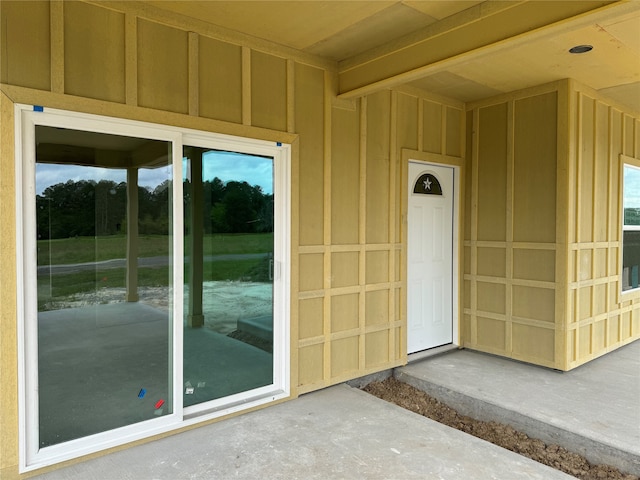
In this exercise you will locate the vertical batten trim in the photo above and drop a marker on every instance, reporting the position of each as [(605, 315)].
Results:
[(194, 74), (327, 258), (623, 141), (594, 185), (565, 149), (443, 129), (610, 178), (131, 59), (473, 294), (56, 12), (393, 162), (509, 226), (420, 124), (291, 96), (594, 199), (607, 303), (246, 86), (326, 102), (577, 239), (362, 231)]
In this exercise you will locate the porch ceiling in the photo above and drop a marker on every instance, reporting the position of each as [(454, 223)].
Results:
[(465, 50)]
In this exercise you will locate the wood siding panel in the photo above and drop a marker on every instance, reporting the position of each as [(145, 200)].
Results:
[(220, 80), (26, 44), (345, 176), (377, 170), (310, 314), (269, 91), (309, 124), (492, 173), (535, 145), (94, 52), (512, 225), (163, 80), (600, 319), (453, 132), (432, 127)]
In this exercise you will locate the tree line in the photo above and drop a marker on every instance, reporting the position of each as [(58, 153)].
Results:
[(632, 216), (90, 208)]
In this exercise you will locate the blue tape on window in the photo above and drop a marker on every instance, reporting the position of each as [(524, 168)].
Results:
[(279, 144), (38, 108)]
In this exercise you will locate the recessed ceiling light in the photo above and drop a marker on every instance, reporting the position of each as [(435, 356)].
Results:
[(581, 49)]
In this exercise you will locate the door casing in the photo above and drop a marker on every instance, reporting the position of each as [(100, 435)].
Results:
[(458, 165)]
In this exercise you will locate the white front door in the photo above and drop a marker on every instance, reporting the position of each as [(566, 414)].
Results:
[(430, 256)]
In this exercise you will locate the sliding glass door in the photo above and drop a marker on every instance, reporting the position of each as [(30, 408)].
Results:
[(146, 304), (228, 327)]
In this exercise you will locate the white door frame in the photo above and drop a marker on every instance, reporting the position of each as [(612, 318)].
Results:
[(457, 164)]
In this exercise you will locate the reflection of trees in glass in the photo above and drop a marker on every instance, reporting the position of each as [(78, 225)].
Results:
[(632, 216), (234, 207), (88, 208), (244, 208)]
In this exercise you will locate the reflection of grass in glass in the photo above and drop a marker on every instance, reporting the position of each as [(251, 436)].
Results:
[(91, 249), (239, 243), (67, 285)]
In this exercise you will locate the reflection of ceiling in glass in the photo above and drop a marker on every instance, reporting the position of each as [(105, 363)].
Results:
[(631, 186), (76, 147)]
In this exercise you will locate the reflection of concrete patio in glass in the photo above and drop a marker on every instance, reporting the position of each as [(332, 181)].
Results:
[(95, 361), (224, 303)]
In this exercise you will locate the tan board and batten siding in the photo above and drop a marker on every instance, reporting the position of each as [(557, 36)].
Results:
[(542, 248), (541, 200), (127, 61)]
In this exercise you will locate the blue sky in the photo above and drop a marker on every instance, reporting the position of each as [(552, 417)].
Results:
[(224, 165), (631, 187)]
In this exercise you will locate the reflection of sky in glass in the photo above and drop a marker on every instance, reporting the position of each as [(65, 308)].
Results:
[(48, 174), (231, 166), (631, 187), (226, 166)]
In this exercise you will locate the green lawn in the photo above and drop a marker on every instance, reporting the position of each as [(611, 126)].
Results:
[(59, 287), (91, 249)]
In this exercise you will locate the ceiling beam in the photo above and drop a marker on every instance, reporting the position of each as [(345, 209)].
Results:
[(481, 30)]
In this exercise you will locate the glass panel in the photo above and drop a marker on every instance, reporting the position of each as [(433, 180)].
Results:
[(427, 184), (631, 236), (630, 259), (631, 195), (103, 210), (228, 324)]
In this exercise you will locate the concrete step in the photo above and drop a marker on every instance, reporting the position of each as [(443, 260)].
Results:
[(261, 327), (591, 411)]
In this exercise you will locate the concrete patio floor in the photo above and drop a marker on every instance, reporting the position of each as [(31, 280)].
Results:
[(344, 433), (336, 433)]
